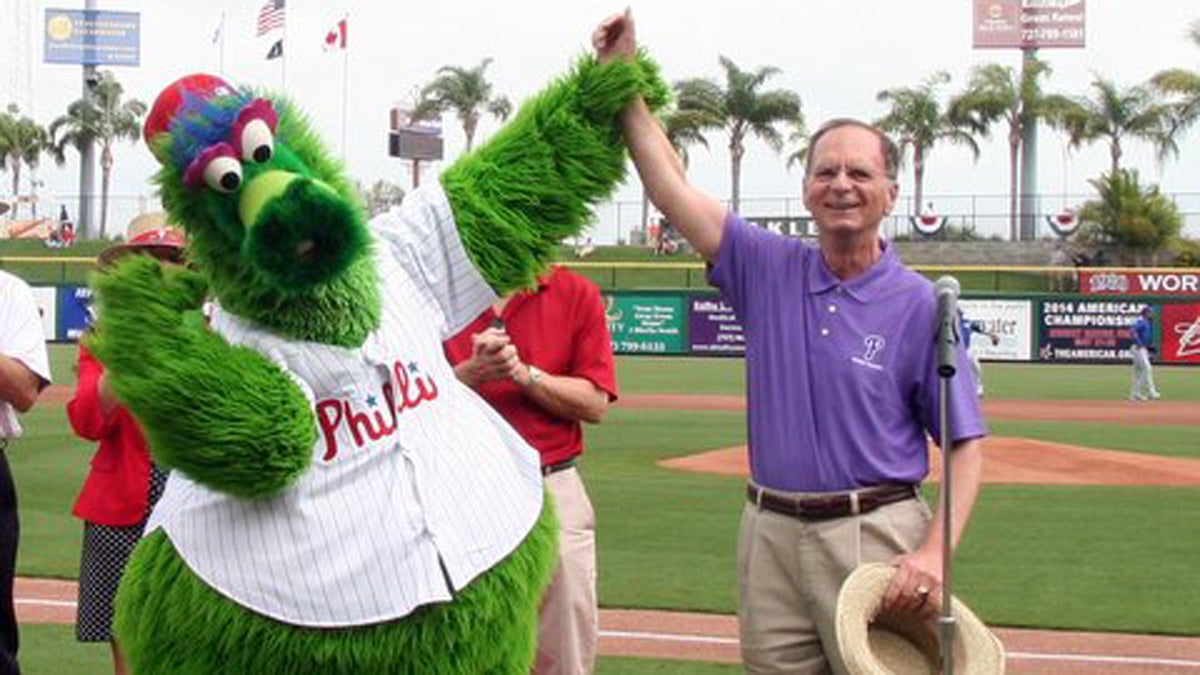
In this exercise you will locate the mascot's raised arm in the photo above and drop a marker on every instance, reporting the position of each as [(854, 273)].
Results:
[(340, 503)]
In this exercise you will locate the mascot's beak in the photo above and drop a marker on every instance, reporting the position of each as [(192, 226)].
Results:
[(300, 231)]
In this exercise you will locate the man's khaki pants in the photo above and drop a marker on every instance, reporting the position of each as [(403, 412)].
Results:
[(569, 621), (790, 571)]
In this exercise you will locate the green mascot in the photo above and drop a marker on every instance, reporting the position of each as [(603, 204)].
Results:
[(339, 503)]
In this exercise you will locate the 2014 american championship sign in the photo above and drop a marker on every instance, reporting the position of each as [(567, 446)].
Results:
[(1139, 283)]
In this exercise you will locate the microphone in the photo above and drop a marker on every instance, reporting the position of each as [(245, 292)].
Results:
[(946, 289)]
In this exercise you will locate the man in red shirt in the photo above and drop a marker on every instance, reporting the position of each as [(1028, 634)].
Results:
[(544, 360)]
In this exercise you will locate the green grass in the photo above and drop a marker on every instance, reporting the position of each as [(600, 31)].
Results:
[(626, 666), (1166, 440), (53, 649), (651, 522), (1093, 558), (1036, 381)]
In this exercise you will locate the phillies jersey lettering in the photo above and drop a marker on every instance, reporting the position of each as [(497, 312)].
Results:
[(376, 424)]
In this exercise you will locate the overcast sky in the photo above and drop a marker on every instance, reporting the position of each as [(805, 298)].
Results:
[(836, 54)]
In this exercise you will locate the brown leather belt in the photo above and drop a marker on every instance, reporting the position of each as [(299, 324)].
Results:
[(561, 466), (833, 506)]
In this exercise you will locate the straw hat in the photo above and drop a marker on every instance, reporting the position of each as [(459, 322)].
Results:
[(148, 233), (904, 645)]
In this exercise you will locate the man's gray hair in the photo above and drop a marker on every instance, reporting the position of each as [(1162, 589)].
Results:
[(887, 147)]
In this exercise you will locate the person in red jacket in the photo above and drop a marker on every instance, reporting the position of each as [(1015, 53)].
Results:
[(123, 483)]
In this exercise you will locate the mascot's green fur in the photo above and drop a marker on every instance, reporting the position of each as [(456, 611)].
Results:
[(283, 246)]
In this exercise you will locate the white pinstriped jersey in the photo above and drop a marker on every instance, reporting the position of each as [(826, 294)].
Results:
[(22, 339), (410, 467)]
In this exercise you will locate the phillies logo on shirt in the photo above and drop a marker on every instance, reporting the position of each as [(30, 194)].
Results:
[(412, 388), (872, 346)]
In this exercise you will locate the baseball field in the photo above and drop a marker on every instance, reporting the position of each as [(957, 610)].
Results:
[(1087, 521)]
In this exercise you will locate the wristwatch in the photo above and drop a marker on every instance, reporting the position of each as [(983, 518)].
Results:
[(535, 376)]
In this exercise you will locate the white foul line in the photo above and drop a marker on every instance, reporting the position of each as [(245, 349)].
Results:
[(1039, 656), (47, 603), (713, 640)]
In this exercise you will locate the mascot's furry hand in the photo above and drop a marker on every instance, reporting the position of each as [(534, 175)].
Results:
[(340, 502), (150, 330)]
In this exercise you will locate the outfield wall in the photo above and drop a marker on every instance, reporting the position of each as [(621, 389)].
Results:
[(1064, 328), (1045, 328)]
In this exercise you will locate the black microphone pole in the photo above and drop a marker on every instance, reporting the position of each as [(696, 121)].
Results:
[(947, 290)]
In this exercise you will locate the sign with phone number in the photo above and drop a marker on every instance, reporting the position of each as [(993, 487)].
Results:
[(646, 324)]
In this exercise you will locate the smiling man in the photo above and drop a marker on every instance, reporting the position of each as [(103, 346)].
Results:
[(842, 388)]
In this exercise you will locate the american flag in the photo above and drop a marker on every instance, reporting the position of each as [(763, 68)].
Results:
[(270, 16)]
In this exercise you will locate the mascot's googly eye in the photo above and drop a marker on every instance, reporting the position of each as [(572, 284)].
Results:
[(223, 174), (257, 142), (216, 166), (253, 132)]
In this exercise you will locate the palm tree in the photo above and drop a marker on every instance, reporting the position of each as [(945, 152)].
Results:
[(465, 91), (1184, 86), (997, 93), (742, 109), (918, 122), (683, 128), (1115, 114), (22, 142), (103, 118), (1141, 219)]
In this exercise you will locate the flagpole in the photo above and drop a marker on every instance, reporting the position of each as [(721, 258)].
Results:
[(345, 76), (284, 55), (221, 48)]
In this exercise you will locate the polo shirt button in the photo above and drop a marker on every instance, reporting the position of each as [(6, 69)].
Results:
[(824, 331), (832, 309)]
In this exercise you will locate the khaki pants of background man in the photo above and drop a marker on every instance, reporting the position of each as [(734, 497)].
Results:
[(790, 572), (569, 621)]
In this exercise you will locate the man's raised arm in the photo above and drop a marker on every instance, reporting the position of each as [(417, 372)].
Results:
[(699, 217)]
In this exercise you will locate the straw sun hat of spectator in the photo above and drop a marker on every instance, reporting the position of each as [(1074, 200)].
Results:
[(151, 234), (904, 645)]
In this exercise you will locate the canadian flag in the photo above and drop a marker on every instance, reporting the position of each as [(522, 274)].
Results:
[(335, 37)]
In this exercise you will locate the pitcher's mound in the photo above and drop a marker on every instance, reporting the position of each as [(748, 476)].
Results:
[(1011, 460)]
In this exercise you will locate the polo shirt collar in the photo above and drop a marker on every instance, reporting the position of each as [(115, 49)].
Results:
[(519, 298), (863, 287)]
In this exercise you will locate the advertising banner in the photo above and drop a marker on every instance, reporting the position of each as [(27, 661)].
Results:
[(1028, 24), (74, 316), (713, 328), (1091, 331), (1180, 333), (1140, 283), (92, 37), (44, 297), (1012, 320), (646, 324)]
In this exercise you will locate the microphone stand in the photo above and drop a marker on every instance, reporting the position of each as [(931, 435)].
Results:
[(948, 337)]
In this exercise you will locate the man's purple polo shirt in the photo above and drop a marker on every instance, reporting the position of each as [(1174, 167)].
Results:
[(841, 377)]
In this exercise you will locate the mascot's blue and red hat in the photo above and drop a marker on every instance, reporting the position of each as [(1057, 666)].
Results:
[(171, 99), (207, 118)]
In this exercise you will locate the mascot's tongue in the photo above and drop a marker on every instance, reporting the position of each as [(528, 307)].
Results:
[(306, 251), (299, 232)]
